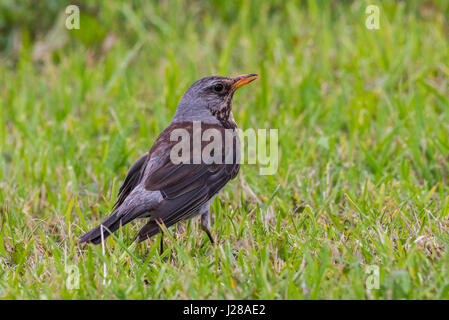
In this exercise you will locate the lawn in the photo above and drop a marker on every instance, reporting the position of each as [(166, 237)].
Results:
[(361, 189)]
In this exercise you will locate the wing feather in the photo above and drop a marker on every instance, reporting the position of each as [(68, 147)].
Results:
[(184, 187), (132, 179)]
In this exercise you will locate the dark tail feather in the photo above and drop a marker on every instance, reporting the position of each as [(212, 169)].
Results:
[(111, 224), (119, 217)]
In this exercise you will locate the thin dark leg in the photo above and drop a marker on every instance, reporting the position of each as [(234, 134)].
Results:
[(205, 225), (210, 236), (162, 243)]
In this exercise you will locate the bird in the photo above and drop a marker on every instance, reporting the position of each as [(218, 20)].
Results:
[(166, 192)]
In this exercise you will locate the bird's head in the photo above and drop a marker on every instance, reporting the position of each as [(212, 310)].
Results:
[(210, 99)]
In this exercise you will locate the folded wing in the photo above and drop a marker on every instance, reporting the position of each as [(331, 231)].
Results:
[(184, 187)]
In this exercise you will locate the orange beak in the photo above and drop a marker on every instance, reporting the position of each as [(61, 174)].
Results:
[(244, 79)]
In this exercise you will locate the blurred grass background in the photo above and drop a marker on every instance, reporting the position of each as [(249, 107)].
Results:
[(363, 119)]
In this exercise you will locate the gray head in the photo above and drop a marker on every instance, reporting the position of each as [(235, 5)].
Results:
[(210, 99)]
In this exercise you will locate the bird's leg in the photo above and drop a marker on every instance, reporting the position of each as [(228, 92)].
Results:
[(205, 225), (160, 223), (162, 243)]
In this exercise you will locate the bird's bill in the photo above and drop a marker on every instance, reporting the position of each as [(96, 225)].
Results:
[(244, 79)]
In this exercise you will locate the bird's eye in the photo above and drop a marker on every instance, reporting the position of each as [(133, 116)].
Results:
[(218, 87)]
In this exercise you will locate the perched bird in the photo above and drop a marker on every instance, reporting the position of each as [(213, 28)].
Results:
[(164, 192)]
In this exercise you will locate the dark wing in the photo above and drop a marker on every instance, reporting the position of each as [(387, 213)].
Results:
[(197, 184), (132, 179), (185, 188)]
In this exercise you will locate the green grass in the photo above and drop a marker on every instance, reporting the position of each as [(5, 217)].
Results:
[(363, 119)]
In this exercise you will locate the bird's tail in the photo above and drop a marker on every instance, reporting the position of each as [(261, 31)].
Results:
[(110, 224), (120, 217)]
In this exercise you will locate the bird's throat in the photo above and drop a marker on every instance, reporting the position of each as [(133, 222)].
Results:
[(224, 115)]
